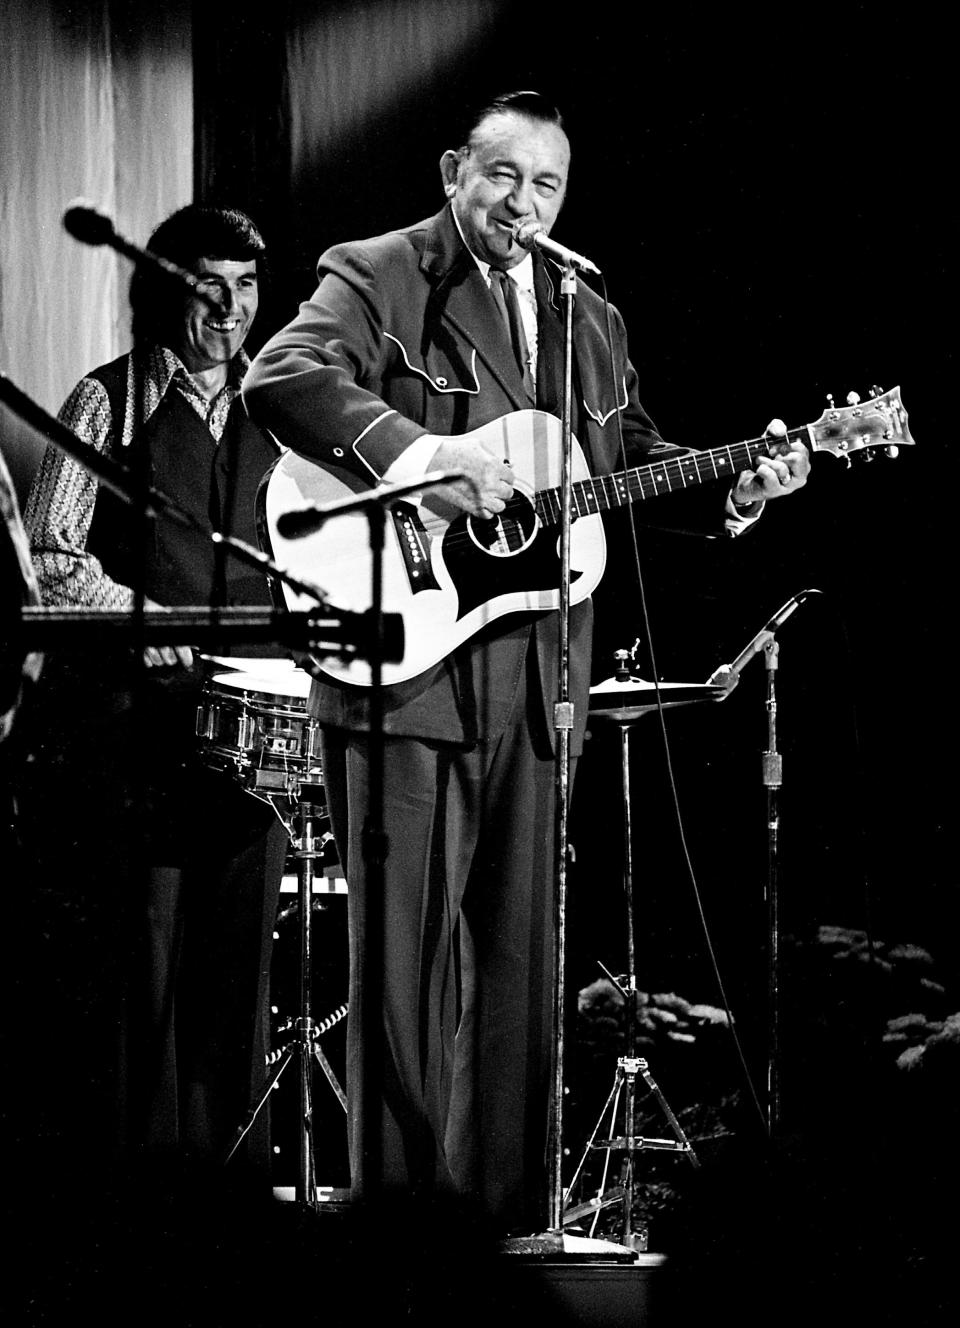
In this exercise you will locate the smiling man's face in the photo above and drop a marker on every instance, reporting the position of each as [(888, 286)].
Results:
[(211, 337), (514, 170)]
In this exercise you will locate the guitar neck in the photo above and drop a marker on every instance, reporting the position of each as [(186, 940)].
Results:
[(602, 493)]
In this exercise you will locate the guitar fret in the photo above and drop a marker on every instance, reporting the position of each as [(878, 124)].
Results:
[(657, 475), (601, 493)]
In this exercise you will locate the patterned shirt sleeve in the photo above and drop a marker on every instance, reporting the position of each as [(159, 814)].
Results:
[(60, 510)]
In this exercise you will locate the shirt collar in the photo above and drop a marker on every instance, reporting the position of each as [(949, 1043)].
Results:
[(522, 274), (164, 365)]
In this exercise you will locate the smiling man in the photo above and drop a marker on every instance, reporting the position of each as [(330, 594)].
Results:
[(171, 404), (411, 341), (177, 856)]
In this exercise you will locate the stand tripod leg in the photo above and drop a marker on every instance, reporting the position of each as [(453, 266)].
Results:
[(571, 1215), (674, 1124), (248, 1123), (332, 1080)]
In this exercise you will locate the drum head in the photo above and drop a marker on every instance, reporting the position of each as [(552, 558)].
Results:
[(293, 685)]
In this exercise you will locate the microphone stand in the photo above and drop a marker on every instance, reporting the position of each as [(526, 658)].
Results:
[(375, 848), (91, 226), (772, 782), (563, 726), (765, 642), (552, 1242)]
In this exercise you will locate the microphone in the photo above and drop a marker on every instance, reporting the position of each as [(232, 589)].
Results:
[(305, 520), (728, 675), (782, 614), (89, 225), (531, 235)]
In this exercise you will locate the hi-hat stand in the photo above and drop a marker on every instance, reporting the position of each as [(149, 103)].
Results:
[(623, 700), (628, 1143), (304, 1047)]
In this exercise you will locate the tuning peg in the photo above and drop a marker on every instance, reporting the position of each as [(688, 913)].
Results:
[(876, 391), (892, 450), (830, 400), (853, 398)]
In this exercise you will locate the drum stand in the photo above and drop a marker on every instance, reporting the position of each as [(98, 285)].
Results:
[(305, 1046), (623, 700)]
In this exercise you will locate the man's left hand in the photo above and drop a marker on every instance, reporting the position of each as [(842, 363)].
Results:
[(784, 471)]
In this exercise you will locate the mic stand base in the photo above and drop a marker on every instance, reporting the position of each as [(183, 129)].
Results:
[(562, 1247)]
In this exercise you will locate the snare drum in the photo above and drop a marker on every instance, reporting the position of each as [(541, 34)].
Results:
[(257, 728)]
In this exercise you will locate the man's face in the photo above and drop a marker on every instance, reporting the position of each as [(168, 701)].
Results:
[(209, 337), (515, 170)]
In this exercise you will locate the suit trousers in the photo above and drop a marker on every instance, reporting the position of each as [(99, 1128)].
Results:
[(462, 969)]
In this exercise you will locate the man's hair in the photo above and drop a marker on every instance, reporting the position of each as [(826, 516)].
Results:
[(189, 234), (524, 102)]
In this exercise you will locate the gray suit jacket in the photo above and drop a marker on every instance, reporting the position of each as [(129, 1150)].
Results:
[(402, 338)]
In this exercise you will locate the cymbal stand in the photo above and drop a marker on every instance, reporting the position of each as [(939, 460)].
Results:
[(305, 1045), (628, 1066), (765, 641), (772, 781)]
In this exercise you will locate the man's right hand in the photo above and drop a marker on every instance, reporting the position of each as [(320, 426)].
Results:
[(489, 479)]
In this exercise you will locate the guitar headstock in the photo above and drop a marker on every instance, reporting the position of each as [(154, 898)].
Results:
[(879, 422)]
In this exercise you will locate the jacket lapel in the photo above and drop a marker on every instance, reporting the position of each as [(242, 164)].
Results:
[(466, 304), (550, 342)]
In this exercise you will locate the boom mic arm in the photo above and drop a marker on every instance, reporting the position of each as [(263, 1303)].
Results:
[(89, 225)]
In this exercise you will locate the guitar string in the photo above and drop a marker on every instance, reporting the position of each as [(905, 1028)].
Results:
[(642, 483)]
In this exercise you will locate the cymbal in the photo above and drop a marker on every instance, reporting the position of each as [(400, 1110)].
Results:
[(266, 667), (628, 698)]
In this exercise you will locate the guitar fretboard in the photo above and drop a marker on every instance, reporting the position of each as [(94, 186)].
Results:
[(602, 493)]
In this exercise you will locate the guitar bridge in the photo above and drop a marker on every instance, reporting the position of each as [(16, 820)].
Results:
[(414, 544)]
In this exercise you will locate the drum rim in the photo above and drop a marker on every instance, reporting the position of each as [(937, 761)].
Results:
[(227, 682)]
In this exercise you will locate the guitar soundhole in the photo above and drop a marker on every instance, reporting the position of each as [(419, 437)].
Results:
[(508, 534)]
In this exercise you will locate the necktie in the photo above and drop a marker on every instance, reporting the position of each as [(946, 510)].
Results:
[(505, 292)]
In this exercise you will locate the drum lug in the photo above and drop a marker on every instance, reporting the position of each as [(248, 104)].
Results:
[(206, 723), (247, 732)]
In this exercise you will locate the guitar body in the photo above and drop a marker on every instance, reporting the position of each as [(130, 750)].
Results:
[(447, 574)]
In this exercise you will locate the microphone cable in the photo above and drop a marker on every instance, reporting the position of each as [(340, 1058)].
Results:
[(668, 757)]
